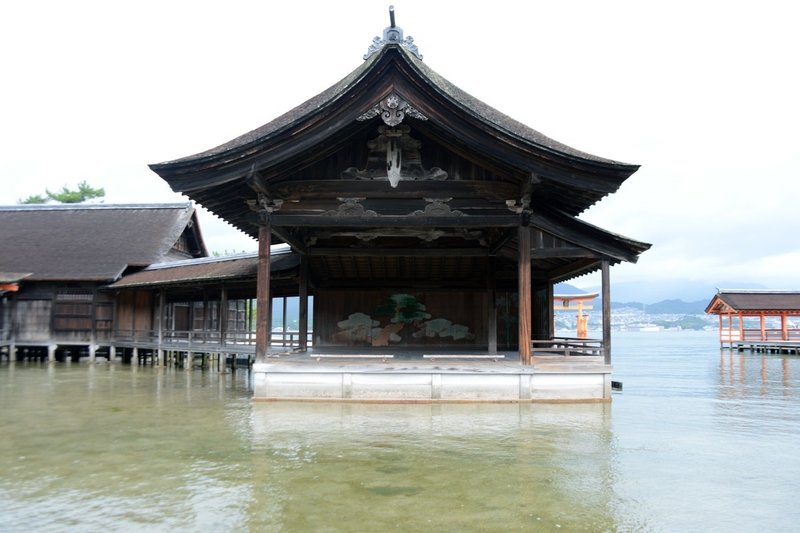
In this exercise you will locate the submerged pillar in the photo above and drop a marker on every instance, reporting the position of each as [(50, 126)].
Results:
[(525, 303), (606, 296)]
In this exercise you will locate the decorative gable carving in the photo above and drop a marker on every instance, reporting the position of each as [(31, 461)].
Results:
[(392, 111), (394, 155)]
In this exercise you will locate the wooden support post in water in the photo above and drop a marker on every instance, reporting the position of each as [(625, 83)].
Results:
[(606, 296), (525, 302), (262, 291)]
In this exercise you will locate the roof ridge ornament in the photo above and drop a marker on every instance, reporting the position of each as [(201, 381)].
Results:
[(392, 35), (392, 109)]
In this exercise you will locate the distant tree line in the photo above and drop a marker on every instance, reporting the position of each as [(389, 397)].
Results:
[(66, 195)]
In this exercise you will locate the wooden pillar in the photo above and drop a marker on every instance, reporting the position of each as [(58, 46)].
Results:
[(763, 327), (606, 296), (284, 324), (262, 291), (135, 304), (720, 330), (551, 331), (12, 318), (112, 352), (206, 321), (93, 331), (784, 331), (159, 353), (741, 326), (491, 304), (730, 329), (525, 301), (223, 315), (303, 308)]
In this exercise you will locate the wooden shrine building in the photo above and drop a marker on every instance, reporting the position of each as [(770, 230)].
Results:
[(758, 319), (424, 221), (57, 260)]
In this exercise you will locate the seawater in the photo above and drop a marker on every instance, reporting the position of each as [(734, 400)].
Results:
[(699, 440)]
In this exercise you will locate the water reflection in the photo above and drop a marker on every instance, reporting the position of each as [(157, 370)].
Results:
[(741, 373), (698, 441), (424, 466), (104, 447)]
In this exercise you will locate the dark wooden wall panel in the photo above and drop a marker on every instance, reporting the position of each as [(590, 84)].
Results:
[(348, 318)]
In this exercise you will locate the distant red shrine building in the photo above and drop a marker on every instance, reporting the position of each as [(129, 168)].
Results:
[(744, 316)]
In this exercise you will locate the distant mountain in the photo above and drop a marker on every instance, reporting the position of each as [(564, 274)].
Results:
[(678, 307), (566, 288), (653, 292)]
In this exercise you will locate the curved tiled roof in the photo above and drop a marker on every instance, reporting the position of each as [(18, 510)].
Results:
[(207, 269), (753, 300), (89, 242)]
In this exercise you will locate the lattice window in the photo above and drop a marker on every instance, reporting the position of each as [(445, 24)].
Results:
[(72, 310)]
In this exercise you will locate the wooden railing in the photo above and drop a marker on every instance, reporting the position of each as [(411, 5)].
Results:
[(567, 347), (757, 334), (205, 340)]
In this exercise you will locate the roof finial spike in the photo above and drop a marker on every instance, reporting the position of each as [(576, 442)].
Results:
[(392, 35)]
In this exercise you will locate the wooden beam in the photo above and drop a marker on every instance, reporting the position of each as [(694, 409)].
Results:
[(476, 284), (572, 267), (467, 221), (504, 239), (557, 253), (576, 231), (414, 189), (525, 301), (283, 234), (263, 319), (397, 252)]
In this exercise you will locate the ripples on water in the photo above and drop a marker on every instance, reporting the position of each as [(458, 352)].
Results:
[(697, 441)]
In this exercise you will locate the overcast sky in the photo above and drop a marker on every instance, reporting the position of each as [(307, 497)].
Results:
[(703, 95)]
